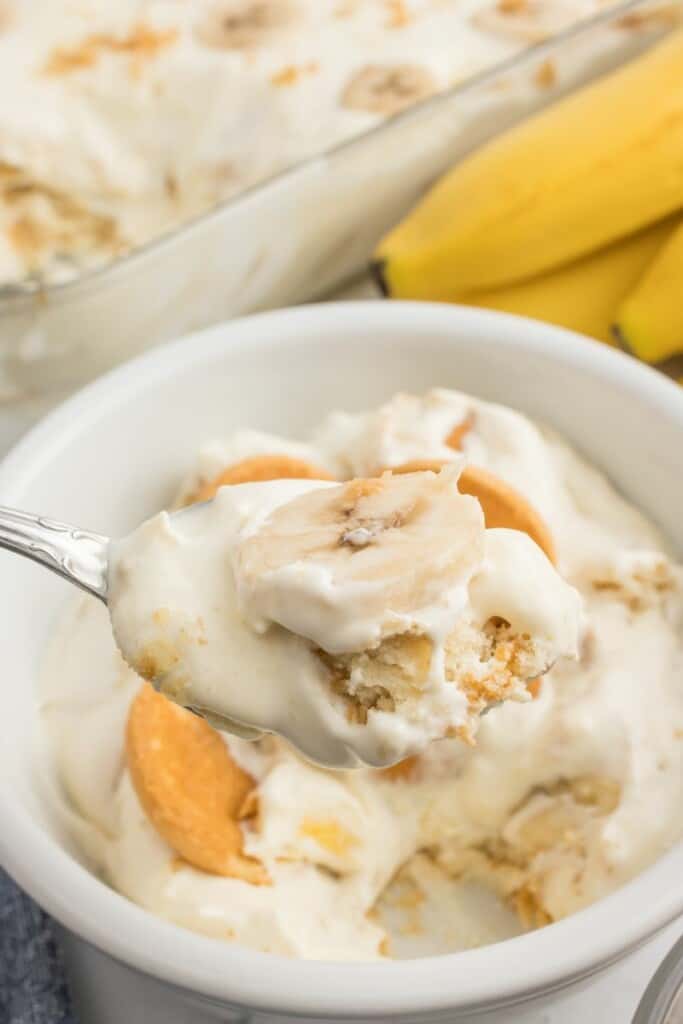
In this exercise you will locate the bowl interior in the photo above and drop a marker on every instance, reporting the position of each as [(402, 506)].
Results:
[(116, 451)]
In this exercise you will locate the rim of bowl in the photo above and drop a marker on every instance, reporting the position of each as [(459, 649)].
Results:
[(504, 972)]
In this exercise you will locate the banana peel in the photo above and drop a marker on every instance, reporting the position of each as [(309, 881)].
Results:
[(649, 320), (595, 167), (583, 295)]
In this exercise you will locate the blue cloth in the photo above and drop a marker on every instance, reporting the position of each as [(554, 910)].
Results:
[(33, 987)]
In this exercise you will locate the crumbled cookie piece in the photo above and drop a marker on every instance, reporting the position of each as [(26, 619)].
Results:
[(398, 15), (42, 222), (142, 43), (545, 75)]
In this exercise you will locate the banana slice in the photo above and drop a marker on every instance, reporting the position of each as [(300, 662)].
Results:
[(502, 505), (189, 786), (387, 90), (346, 566), (244, 24), (256, 469)]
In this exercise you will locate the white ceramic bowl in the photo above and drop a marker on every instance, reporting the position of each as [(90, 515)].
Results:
[(111, 454)]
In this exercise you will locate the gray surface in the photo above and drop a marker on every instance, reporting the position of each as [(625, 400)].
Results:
[(33, 988)]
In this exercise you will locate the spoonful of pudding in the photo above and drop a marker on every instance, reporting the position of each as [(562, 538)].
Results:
[(359, 620)]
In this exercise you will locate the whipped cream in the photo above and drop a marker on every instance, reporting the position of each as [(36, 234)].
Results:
[(119, 122), (562, 800), (228, 606)]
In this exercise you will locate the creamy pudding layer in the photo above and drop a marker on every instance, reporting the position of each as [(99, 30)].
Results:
[(360, 621), (561, 800)]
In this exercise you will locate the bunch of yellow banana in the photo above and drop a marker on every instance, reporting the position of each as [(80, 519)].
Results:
[(575, 216)]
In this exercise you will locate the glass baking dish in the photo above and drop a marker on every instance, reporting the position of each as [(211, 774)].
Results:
[(303, 232)]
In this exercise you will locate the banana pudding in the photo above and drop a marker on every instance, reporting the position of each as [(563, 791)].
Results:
[(370, 617), (561, 799), (121, 121)]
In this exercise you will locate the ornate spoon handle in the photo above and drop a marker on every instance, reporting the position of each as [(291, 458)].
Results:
[(78, 555)]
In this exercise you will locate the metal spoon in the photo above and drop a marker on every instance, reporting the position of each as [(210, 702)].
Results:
[(82, 558)]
